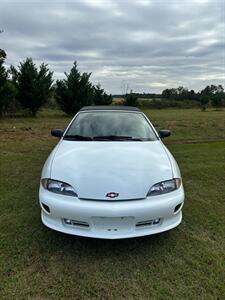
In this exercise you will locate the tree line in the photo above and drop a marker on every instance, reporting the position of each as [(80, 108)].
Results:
[(213, 94), (29, 87)]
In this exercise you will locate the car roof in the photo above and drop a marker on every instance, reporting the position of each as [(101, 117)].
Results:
[(110, 107)]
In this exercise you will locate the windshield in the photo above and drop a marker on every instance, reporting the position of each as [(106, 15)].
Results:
[(110, 125)]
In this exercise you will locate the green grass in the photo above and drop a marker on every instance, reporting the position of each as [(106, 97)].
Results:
[(185, 263)]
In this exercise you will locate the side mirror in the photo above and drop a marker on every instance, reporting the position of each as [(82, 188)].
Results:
[(164, 133), (57, 132)]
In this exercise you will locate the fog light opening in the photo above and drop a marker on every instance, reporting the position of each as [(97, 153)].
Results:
[(149, 222), (177, 208), (75, 223), (46, 208), (68, 222), (156, 221)]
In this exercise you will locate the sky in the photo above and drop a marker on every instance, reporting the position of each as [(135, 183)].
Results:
[(139, 45)]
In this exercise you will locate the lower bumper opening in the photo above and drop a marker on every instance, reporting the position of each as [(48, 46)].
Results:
[(45, 207), (149, 222), (75, 223), (178, 207)]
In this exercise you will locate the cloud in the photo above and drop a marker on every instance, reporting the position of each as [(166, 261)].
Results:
[(150, 45)]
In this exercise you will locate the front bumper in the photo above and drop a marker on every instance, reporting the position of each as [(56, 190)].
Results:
[(111, 219)]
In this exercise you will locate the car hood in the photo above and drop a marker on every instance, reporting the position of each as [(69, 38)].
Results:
[(97, 168)]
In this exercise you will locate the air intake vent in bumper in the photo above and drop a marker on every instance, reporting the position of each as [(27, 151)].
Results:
[(149, 222), (75, 223)]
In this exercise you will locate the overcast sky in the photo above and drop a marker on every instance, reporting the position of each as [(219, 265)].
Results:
[(146, 45)]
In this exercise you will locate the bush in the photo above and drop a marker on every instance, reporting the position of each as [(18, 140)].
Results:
[(204, 101), (131, 99), (160, 104), (212, 93), (217, 100)]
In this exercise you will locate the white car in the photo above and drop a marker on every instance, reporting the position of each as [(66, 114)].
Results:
[(110, 176)]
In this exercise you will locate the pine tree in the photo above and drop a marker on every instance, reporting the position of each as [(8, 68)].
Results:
[(33, 85), (75, 91), (101, 97), (6, 89)]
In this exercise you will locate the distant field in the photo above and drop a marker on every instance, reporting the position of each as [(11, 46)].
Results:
[(185, 263), (190, 125)]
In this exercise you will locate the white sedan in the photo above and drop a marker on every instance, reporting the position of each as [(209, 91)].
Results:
[(110, 176)]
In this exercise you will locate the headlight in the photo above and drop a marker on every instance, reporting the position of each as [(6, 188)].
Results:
[(58, 187), (164, 187)]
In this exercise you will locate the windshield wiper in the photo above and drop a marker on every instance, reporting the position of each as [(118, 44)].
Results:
[(115, 138), (77, 137)]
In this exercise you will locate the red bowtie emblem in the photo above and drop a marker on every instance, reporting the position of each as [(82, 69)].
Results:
[(112, 195)]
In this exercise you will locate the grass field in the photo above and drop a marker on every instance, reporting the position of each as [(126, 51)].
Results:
[(185, 263)]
